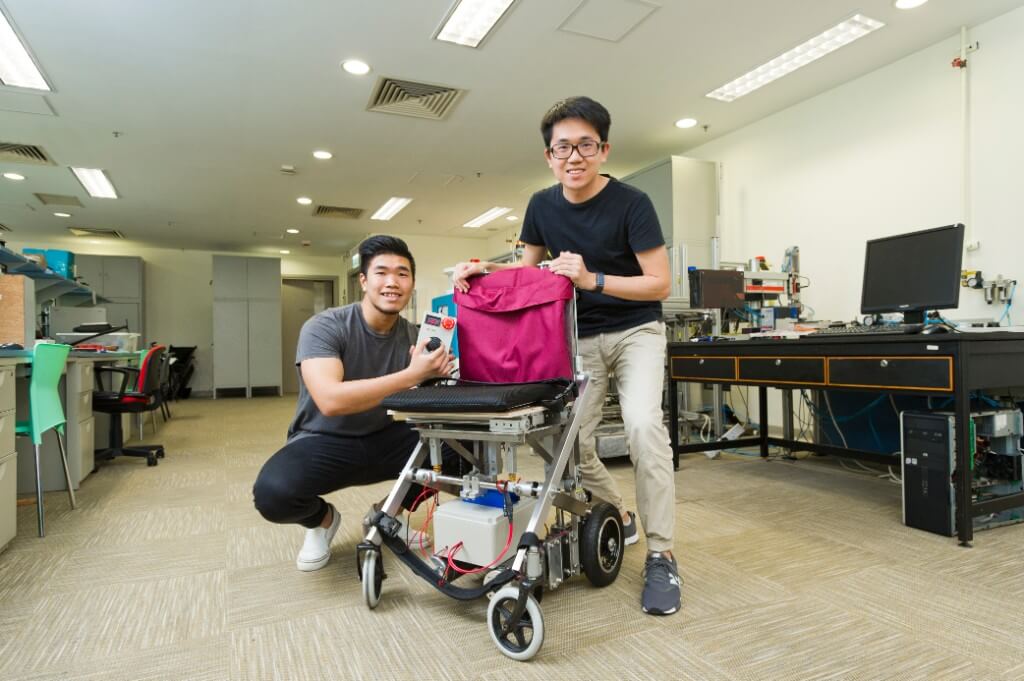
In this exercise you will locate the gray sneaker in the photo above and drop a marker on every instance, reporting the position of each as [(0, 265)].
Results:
[(630, 533), (661, 585)]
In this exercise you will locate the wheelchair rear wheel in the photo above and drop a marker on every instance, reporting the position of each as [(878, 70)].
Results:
[(602, 544)]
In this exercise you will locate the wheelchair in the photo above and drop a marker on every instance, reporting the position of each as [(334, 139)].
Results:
[(550, 529)]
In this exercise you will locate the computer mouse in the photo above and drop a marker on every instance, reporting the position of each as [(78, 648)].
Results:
[(935, 328), (11, 346)]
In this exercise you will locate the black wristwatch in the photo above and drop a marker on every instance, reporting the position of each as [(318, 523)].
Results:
[(599, 276)]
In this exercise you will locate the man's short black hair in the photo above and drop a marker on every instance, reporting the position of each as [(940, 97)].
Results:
[(382, 244), (583, 108)]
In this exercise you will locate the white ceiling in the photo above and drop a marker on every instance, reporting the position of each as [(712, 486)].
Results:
[(211, 97)]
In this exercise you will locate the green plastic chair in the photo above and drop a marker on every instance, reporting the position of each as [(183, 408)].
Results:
[(45, 412)]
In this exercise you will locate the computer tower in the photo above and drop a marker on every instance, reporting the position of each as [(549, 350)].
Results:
[(928, 462)]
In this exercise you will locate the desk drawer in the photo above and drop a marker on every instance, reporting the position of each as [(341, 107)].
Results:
[(8, 498), (87, 376), (84, 405), (807, 370), (704, 368), (6, 388), (900, 373), (6, 432)]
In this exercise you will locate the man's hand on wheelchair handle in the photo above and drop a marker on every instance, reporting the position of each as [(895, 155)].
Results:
[(571, 265), (465, 270)]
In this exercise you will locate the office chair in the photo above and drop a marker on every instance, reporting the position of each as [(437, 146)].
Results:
[(46, 412), (138, 393)]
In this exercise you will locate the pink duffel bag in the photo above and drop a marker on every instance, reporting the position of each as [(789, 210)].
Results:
[(512, 327)]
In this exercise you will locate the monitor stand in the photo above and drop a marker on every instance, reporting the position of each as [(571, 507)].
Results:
[(914, 320)]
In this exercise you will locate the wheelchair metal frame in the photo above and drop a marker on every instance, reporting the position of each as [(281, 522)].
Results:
[(586, 537)]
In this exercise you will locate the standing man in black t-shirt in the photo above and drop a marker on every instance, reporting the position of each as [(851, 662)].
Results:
[(605, 236)]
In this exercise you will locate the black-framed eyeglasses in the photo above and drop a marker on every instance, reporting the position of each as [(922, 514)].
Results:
[(586, 148)]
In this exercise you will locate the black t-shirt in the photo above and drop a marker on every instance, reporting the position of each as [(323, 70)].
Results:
[(608, 231)]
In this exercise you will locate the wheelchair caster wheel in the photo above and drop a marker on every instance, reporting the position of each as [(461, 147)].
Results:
[(601, 545), (372, 575), (151, 459), (523, 639), (160, 453)]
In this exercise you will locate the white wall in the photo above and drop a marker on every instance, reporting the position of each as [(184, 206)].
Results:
[(179, 293), (878, 156)]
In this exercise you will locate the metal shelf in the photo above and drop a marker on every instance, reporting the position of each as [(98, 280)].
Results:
[(49, 284)]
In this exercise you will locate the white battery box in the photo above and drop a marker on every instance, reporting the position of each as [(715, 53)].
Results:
[(437, 326), (483, 530)]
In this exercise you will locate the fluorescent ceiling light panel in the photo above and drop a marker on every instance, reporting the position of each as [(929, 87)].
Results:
[(908, 4), (686, 123), (323, 155), (16, 65), (292, 231), (471, 20), (817, 47), (390, 208), (95, 182), (492, 214), (17, 177)]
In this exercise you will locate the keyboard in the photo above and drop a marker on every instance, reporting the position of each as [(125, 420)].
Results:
[(885, 330)]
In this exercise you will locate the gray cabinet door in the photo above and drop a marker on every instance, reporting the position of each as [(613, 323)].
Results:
[(122, 277), (264, 343), (90, 269), (264, 278), (229, 277), (130, 313), (230, 344)]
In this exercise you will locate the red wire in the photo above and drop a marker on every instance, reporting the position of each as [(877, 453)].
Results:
[(426, 524)]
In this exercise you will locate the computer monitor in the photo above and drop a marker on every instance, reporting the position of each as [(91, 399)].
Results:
[(913, 273)]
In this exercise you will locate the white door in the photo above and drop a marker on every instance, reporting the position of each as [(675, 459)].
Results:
[(296, 308), (263, 277), (264, 343), (230, 344)]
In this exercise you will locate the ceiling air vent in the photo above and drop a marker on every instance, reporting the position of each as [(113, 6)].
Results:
[(408, 98), (58, 200), (5, 228), (24, 153), (94, 232), (340, 212)]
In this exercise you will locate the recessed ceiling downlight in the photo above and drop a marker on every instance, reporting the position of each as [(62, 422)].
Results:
[(355, 67)]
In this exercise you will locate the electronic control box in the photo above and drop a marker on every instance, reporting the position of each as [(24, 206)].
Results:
[(438, 330)]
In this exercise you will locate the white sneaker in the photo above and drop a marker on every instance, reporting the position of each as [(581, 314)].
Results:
[(316, 549)]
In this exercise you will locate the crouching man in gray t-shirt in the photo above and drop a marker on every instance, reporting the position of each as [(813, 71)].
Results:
[(349, 359)]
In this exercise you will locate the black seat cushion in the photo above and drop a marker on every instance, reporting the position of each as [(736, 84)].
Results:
[(470, 396)]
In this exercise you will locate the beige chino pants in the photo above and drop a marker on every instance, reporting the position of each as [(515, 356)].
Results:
[(637, 358)]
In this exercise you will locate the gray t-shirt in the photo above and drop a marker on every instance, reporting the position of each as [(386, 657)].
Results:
[(342, 332)]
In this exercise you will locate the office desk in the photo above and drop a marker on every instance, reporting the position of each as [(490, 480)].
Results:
[(76, 390), (951, 365), (76, 393)]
